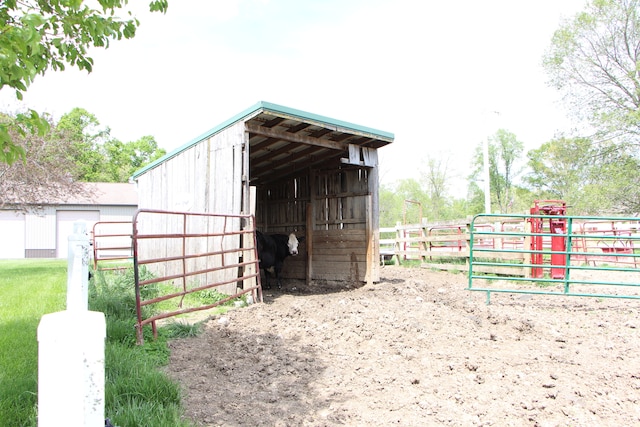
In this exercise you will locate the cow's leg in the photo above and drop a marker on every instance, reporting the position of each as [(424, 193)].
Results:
[(267, 285), (267, 277), (277, 268)]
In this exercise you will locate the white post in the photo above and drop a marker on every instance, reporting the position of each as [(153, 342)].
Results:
[(71, 351), (78, 268), (487, 177)]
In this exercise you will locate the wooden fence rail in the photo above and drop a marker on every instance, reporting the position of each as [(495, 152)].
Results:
[(445, 246)]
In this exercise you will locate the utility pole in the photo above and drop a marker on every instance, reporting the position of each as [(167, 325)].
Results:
[(487, 184), (485, 155)]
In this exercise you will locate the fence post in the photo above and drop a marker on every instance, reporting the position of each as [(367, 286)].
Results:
[(469, 245), (71, 351), (399, 246), (78, 268)]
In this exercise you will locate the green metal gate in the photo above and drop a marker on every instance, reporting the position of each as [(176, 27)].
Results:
[(591, 257)]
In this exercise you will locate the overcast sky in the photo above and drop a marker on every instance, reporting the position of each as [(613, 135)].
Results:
[(440, 75)]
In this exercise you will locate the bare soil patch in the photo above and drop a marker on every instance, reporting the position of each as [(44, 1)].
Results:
[(415, 349)]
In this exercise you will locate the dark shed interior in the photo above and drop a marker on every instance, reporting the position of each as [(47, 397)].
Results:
[(317, 177)]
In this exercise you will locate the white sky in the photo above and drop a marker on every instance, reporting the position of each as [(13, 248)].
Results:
[(431, 72)]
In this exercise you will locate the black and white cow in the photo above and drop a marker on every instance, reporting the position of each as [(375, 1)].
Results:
[(272, 251)]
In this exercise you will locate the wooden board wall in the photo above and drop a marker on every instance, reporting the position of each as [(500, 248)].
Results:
[(281, 206), (339, 222), (205, 178), (338, 205)]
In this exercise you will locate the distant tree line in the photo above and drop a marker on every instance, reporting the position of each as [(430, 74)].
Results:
[(74, 149), (592, 178), (594, 61), (39, 35)]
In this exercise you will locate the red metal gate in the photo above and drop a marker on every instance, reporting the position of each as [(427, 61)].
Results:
[(179, 253), (111, 241)]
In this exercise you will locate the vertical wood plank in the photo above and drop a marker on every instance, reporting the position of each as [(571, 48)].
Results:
[(374, 226), (309, 243)]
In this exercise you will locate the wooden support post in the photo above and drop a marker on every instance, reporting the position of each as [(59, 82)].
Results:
[(309, 243)]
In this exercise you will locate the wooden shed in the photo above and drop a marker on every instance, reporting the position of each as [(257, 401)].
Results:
[(297, 172)]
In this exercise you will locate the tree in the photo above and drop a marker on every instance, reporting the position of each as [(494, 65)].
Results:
[(38, 35), (393, 207), (560, 167), (390, 210), (436, 178), (76, 149), (82, 130), (98, 156), (619, 174), (475, 196), (504, 153), (46, 176), (122, 160), (595, 61), (564, 169)]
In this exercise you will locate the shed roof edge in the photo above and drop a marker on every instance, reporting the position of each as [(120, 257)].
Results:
[(264, 106), (325, 120)]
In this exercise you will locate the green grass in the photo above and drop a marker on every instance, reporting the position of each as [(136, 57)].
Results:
[(137, 392), (28, 289), (204, 297)]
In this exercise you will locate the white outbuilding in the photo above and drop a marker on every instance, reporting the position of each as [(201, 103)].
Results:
[(44, 232)]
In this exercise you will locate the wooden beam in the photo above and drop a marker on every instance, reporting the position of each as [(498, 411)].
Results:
[(273, 122), (262, 162), (288, 169), (286, 136)]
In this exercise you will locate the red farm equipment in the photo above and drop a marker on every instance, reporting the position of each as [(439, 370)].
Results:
[(544, 225)]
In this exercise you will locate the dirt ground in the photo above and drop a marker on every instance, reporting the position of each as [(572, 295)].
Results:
[(415, 349)]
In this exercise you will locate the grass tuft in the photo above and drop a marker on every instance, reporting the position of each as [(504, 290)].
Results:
[(182, 330), (137, 392), (28, 290)]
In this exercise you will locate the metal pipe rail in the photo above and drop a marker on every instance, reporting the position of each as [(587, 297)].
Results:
[(111, 242), (579, 278), (189, 253)]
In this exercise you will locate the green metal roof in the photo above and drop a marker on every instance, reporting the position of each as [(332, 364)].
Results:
[(279, 111)]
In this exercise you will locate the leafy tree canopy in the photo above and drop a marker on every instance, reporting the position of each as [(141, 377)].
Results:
[(408, 201), (46, 176), (560, 167), (99, 157), (594, 60), (76, 148), (504, 167), (566, 169), (38, 35)]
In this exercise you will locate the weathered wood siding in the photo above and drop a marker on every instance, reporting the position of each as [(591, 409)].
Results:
[(340, 255), (341, 222), (335, 208), (205, 178), (282, 207)]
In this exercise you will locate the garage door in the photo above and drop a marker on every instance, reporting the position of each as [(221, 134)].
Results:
[(12, 230), (64, 223)]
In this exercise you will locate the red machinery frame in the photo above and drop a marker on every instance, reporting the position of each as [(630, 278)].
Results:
[(558, 243)]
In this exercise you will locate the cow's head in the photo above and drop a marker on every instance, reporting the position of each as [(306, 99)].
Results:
[(293, 244)]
